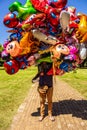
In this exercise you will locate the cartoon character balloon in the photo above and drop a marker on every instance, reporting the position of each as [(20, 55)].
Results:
[(10, 20), (82, 28), (60, 49), (11, 67), (13, 48)]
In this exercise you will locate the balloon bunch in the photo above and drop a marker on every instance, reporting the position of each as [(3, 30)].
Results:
[(44, 30)]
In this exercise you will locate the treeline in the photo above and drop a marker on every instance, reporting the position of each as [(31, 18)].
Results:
[(1, 60), (83, 64)]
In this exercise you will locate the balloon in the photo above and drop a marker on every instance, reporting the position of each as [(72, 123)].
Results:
[(70, 57), (72, 54), (5, 43), (23, 10), (64, 66), (72, 11), (34, 21), (5, 55), (22, 65), (11, 67), (50, 8), (44, 5), (10, 20), (26, 61), (60, 4), (53, 17), (56, 71), (64, 20), (73, 49), (81, 32), (13, 48), (44, 38), (83, 51), (26, 43), (15, 36), (44, 31), (60, 49)]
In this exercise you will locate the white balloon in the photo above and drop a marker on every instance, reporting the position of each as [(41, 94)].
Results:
[(83, 51)]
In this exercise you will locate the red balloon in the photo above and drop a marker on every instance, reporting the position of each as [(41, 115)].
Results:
[(59, 4), (11, 67), (57, 72), (22, 65), (10, 20)]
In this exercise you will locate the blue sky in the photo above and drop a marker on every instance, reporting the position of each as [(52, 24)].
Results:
[(81, 6)]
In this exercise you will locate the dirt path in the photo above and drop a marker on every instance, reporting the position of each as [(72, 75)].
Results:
[(69, 109)]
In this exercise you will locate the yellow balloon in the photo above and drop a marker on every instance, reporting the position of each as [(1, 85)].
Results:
[(82, 28)]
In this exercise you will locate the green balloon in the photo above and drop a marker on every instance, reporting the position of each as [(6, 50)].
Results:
[(23, 10)]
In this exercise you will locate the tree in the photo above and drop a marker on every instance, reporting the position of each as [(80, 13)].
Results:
[(1, 48), (1, 60)]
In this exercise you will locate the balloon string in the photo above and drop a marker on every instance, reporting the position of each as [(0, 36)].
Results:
[(54, 72)]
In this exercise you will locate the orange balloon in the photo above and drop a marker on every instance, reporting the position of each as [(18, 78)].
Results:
[(13, 48), (60, 49), (81, 32)]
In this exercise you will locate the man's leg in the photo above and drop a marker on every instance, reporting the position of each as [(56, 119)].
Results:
[(49, 98), (42, 105)]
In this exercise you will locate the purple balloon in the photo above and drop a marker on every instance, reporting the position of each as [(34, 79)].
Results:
[(5, 44)]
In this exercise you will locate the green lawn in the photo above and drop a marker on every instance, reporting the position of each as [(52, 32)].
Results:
[(13, 90), (77, 80)]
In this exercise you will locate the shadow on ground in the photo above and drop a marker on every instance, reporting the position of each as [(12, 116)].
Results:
[(78, 108)]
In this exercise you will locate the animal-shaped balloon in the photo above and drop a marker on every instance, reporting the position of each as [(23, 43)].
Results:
[(60, 49), (81, 32), (10, 20), (23, 10), (51, 8), (34, 21), (44, 5), (20, 62), (13, 48), (11, 67)]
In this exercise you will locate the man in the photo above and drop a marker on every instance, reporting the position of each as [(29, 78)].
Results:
[(45, 89)]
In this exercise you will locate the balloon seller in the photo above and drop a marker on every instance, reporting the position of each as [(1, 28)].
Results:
[(46, 33)]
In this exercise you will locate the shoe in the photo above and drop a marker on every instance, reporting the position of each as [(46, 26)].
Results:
[(41, 118), (52, 118)]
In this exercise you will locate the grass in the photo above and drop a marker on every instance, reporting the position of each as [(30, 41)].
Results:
[(13, 90), (77, 80)]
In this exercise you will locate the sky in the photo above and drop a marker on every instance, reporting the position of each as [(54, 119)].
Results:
[(80, 5)]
